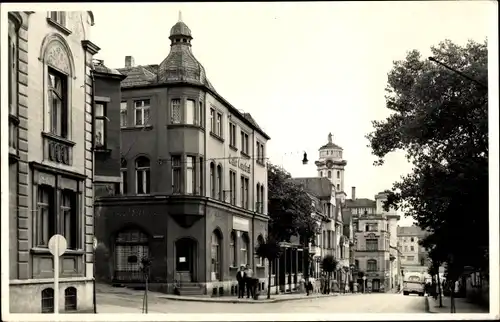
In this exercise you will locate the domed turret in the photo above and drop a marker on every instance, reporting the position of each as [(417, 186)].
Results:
[(180, 64), (331, 164)]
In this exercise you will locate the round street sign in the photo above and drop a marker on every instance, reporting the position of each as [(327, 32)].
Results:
[(364, 278), (57, 245)]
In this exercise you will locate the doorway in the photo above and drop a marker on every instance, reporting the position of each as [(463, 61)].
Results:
[(185, 258), (376, 285)]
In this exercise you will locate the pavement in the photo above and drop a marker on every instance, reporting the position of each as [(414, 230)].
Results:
[(461, 306), (123, 300)]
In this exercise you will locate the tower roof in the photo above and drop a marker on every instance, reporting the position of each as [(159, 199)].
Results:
[(330, 144), (180, 29)]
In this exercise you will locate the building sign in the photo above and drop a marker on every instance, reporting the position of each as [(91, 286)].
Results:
[(241, 224), (237, 162)]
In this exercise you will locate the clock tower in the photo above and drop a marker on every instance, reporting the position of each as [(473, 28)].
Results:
[(331, 165)]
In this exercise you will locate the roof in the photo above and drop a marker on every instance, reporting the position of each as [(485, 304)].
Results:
[(99, 67), (180, 66), (331, 146), (319, 187), (360, 203), (410, 231)]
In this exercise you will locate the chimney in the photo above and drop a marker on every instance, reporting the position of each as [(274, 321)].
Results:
[(129, 61), (353, 193)]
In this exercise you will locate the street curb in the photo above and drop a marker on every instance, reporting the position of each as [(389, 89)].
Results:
[(236, 301)]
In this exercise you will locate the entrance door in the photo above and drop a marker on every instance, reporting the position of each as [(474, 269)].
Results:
[(376, 285), (185, 258)]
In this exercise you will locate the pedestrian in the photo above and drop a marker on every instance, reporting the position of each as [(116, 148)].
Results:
[(240, 277), (249, 281)]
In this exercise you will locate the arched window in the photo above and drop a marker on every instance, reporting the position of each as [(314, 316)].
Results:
[(142, 175), (123, 174), (329, 174), (48, 300), (371, 265), (245, 245), (220, 185), (70, 299), (260, 241), (338, 174), (216, 255), (232, 250), (212, 180), (131, 246)]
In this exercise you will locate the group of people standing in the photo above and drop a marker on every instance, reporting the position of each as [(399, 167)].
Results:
[(246, 281)]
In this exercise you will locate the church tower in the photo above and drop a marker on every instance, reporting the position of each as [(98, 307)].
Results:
[(331, 165)]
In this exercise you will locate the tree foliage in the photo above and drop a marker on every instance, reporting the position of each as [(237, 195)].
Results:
[(269, 249), (440, 119), (289, 208)]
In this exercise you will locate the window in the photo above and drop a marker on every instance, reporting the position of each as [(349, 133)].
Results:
[(412, 248), (175, 111), (244, 142), (57, 91), (260, 260), (410, 258), (371, 227), (46, 217), (12, 70), (69, 217), (338, 187), (244, 192), (202, 178), (216, 255), (212, 180), (338, 174), (70, 303), (220, 185), (142, 112), (59, 17), (129, 244), (142, 175), (219, 125), (232, 187), (190, 112), (372, 244), (356, 264), (262, 203), (123, 114), (329, 174), (329, 236), (245, 245), (13, 137), (176, 174), (232, 254), (123, 173), (190, 175), (261, 153), (48, 300), (412, 239), (257, 203), (100, 124), (371, 265), (201, 115), (232, 134), (212, 120), (325, 244)]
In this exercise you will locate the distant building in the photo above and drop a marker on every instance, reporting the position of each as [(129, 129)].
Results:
[(413, 254), (331, 165), (376, 243)]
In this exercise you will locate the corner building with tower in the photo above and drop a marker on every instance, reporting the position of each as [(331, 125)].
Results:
[(193, 192)]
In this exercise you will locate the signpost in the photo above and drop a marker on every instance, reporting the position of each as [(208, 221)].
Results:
[(364, 283), (57, 247), (94, 245)]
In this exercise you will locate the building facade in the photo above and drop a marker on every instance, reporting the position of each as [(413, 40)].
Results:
[(376, 242), (193, 193), (413, 254), (50, 183)]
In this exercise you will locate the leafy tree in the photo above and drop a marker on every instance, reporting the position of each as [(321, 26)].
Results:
[(271, 250), (440, 119), (289, 208), (330, 264)]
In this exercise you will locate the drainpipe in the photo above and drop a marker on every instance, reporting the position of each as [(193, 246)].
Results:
[(93, 191)]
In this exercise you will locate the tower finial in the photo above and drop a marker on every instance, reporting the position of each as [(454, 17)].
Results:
[(180, 16), (330, 137)]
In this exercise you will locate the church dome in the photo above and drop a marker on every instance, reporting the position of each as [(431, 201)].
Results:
[(180, 64)]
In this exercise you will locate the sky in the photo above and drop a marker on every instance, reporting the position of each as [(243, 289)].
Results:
[(302, 69)]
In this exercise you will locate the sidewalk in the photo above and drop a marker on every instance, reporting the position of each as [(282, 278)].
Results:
[(461, 306), (114, 309)]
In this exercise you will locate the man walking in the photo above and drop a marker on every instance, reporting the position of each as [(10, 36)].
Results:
[(241, 278), (249, 281)]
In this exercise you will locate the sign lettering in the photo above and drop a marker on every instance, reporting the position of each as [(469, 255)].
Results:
[(237, 162)]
